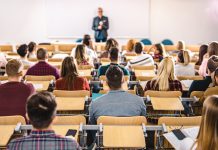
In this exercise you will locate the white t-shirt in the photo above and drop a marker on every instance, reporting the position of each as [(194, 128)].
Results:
[(187, 144), (182, 70), (141, 60)]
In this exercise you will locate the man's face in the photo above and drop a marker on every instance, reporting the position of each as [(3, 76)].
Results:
[(100, 12)]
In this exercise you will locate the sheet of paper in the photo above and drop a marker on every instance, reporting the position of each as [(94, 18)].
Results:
[(175, 142), (38, 86), (187, 83)]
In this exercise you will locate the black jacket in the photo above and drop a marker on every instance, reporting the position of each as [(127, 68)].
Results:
[(103, 32)]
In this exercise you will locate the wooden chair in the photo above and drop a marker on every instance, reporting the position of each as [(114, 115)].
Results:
[(138, 67), (39, 78), (79, 93), (170, 47), (193, 48), (66, 47), (33, 59), (49, 48), (211, 91), (55, 60), (103, 78), (180, 121), (70, 120), (168, 94), (85, 67), (110, 120), (6, 48), (147, 47), (190, 78), (127, 132), (12, 120)]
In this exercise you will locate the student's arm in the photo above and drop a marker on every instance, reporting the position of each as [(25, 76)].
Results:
[(143, 108), (57, 74), (86, 85)]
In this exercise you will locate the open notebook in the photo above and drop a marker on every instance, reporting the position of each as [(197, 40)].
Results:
[(188, 132)]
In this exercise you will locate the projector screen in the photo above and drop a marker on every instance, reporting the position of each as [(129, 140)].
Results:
[(73, 18)]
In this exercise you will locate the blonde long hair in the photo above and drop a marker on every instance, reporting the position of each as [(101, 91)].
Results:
[(208, 134), (184, 57), (181, 45), (165, 73), (80, 53)]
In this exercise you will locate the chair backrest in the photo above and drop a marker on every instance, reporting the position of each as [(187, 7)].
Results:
[(190, 77), (103, 78), (47, 47), (79, 93), (85, 67), (163, 93), (170, 47), (138, 67), (198, 94), (211, 91), (110, 120), (55, 60), (66, 47), (39, 78), (146, 41), (12, 120), (167, 42), (69, 120), (144, 78), (6, 48), (180, 121), (193, 48)]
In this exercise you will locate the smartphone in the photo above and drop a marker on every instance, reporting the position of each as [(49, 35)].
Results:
[(71, 132), (178, 133)]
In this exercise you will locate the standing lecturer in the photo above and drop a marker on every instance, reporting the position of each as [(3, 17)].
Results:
[(100, 26)]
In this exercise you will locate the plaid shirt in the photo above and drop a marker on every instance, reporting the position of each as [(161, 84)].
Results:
[(42, 68), (43, 140), (174, 85)]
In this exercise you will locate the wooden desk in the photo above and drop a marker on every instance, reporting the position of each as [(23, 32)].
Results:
[(123, 137), (40, 85), (159, 103), (70, 103), (62, 129), (128, 58), (6, 131)]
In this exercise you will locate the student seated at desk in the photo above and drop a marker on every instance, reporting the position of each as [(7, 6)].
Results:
[(202, 52), (22, 51), (130, 47), (165, 79), (43, 68), (32, 50), (183, 66), (140, 58), (116, 102), (109, 44), (212, 50), (41, 112), (14, 93), (70, 79), (80, 56), (113, 56), (202, 85), (159, 52), (207, 135)]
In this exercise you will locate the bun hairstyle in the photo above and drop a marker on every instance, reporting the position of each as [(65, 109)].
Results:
[(184, 57)]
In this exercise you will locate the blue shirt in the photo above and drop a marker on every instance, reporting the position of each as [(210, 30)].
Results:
[(117, 103)]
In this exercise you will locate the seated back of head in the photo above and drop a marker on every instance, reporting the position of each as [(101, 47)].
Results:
[(31, 47), (212, 64), (42, 54), (86, 40), (111, 43), (138, 48), (115, 77), (41, 109), (184, 57), (14, 69), (113, 54), (22, 50)]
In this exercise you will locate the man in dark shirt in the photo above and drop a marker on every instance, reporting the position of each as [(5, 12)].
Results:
[(202, 85), (42, 68), (100, 25), (14, 93), (113, 56)]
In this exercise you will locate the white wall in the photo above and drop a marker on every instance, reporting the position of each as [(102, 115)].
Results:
[(190, 20), (194, 21)]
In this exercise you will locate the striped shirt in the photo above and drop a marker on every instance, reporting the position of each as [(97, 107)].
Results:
[(43, 140), (141, 60)]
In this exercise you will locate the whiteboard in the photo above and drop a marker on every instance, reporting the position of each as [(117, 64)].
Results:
[(73, 18)]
